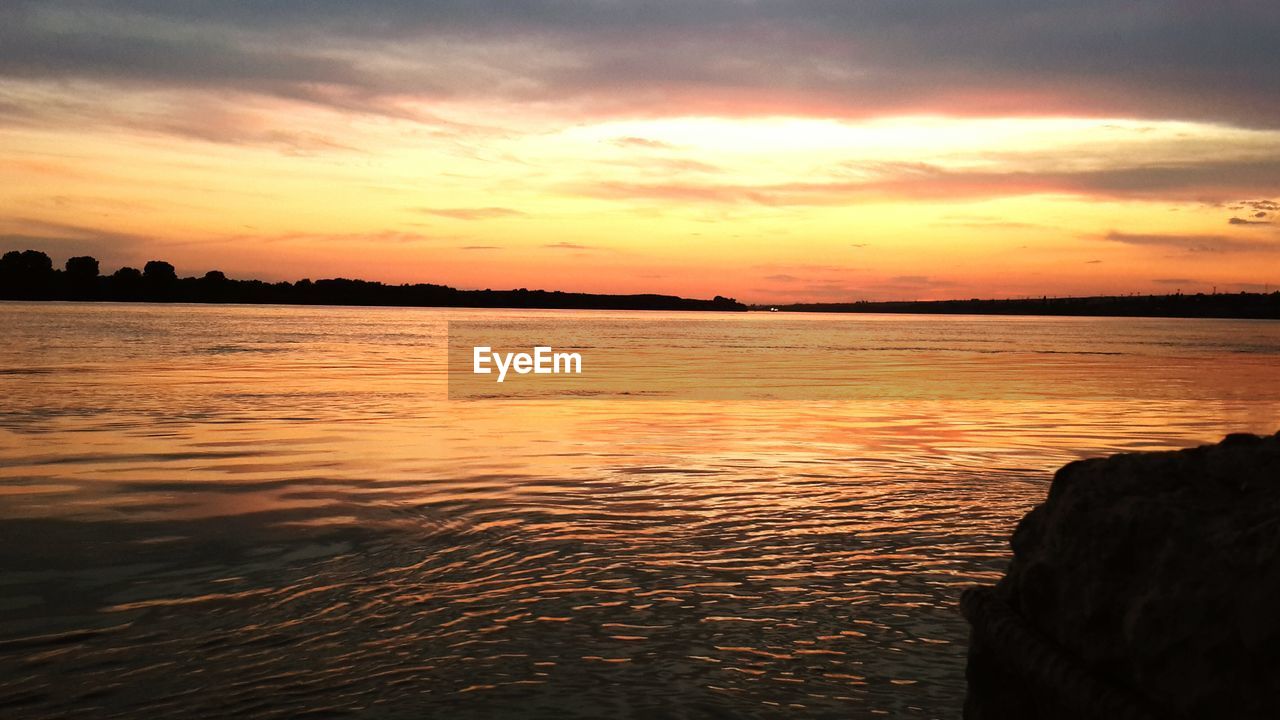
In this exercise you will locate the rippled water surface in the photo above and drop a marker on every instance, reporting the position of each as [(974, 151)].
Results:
[(274, 511)]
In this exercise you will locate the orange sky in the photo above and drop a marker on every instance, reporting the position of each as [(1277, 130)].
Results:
[(696, 153)]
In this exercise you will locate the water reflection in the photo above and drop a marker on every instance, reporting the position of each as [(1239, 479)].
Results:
[(264, 512)]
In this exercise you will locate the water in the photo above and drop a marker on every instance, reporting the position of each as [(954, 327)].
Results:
[(272, 511)]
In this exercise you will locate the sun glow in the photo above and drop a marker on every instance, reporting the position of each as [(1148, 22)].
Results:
[(783, 208)]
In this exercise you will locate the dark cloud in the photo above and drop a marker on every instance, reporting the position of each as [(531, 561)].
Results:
[(1186, 181), (1092, 262), (918, 281), (480, 213), (1242, 221), (1176, 281), (480, 247), (1261, 206), (1195, 243), (1199, 61), (568, 246)]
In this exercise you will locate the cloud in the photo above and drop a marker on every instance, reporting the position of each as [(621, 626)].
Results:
[(783, 278), (822, 290), (920, 181), (1263, 206), (233, 117), (1194, 243), (980, 222), (57, 246), (642, 143), (662, 166), (918, 281), (63, 240), (480, 213), (1242, 221), (480, 247), (1001, 57), (1176, 281), (907, 287), (568, 246), (356, 239), (1092, 262), (681, 192)]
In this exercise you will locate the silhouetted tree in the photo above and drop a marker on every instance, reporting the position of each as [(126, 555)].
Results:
[(213, 287), (160, 280), (37, 264), (11, 275), (126, 284), (26, 275), (82, 277), (159, 271), (82, 266), (10, 267), (30, 275)]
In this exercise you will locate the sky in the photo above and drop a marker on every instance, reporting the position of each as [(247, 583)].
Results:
[(771, 151)]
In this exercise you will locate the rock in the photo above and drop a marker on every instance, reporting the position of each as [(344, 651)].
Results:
[(1146, 585)]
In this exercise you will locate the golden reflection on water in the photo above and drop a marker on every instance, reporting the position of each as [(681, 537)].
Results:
[(258, 511)]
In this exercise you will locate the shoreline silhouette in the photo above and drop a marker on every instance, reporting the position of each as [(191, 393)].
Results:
[(1246, 306), (30, 275)]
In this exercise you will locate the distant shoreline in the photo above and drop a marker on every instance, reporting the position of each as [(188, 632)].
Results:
[(30, 275), (624, 302), (1238, 306)]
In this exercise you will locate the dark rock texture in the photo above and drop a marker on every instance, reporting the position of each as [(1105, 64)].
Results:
[(1147, 585)]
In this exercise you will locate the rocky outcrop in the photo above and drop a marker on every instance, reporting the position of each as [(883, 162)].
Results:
[(1146, 585)]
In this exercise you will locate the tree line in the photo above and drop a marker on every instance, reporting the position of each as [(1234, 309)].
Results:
[(30, 275)]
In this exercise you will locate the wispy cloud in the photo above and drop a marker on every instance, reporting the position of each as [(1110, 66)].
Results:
[(479, 213), (1194, 243), (63, 240), (639, 142)]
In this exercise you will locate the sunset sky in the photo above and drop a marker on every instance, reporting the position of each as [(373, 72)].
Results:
[(771, 151)]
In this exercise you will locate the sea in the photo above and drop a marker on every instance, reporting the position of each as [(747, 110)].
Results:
[(213, 511)]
